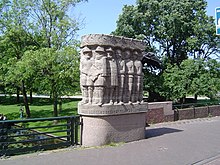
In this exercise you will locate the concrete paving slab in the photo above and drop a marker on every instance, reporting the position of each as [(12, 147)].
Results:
[(175, 143)]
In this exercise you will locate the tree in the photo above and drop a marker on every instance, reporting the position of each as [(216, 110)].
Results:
[(57, 72), (205, 43), (208, 81), (15, 40), (172, 28), (50, 19), (48, 24), (192, 77)]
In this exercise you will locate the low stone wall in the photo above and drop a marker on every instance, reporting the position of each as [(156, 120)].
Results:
[(214, 110), (155, 116), (197, 112), (159, 112), (201, 112), (187, 113)]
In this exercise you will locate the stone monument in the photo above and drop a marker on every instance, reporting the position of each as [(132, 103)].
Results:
[(111, 80)]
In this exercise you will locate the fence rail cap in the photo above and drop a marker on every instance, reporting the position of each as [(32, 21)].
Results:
[(39, 119)]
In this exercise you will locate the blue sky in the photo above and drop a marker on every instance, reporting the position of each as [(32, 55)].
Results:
[(100, 16)]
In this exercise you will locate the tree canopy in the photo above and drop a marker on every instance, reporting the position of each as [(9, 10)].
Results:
[(38, 46), (192, 77), (174, 31)]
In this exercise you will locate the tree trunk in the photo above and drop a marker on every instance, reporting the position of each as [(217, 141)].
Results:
[(183, 100), (55, 103), (60, 105), (17, 98), (27, 110), (154, 96), (31, 98), (196, 97)]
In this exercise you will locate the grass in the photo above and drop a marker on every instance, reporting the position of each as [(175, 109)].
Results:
[(39, 109), (210, 102)]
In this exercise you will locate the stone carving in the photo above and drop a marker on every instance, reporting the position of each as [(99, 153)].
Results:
[(111, 70), (138, 77), (112, 88), (86, 83), (117, 109)]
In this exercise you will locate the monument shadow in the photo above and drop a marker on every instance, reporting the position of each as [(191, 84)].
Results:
[(154, 132)]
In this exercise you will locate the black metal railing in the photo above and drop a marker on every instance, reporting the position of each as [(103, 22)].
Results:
[(195, 110), (190, 105), (30, 135)]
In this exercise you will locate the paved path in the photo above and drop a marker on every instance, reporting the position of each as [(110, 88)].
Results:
[(177, 143)]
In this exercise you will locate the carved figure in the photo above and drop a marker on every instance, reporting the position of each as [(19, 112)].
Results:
[(121, 75), (86, 84), (97, 74), (130, 75), (113, 70), (138, 77)]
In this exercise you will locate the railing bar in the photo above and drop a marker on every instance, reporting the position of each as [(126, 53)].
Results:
[(76, 124), (37, 119), (72, 131), (29, 128), (28, 141), (70, 127), (40, 133)]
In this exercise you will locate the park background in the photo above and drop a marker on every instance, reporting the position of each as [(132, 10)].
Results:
[(33, 74)]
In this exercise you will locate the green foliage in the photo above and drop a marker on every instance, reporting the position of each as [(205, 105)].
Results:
[(152, 84), (38, 46), (53, 70), (175, 30), (172, 28), (50, 19), (192, 77)]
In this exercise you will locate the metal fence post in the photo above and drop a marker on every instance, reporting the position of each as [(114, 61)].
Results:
[(3, 139), (76, 129), (72, 119), (68, 130), (81, 130), (176, 114), (194, 111), (209, 113)]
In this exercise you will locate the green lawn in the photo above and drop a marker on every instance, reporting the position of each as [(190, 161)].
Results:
[(39, 109)]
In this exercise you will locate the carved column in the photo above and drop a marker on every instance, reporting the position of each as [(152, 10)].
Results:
[(111, 79)]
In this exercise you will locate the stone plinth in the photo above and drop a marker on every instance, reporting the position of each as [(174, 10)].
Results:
[(101, 130), (112, 123), (111, 81), (107, 110)]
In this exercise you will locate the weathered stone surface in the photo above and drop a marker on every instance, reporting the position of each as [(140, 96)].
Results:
[(166, 105), (105, 110), (113, 41), (106, 129), (201, 112), (187, 113), (111, 70), (214, 110), (111, 82)]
